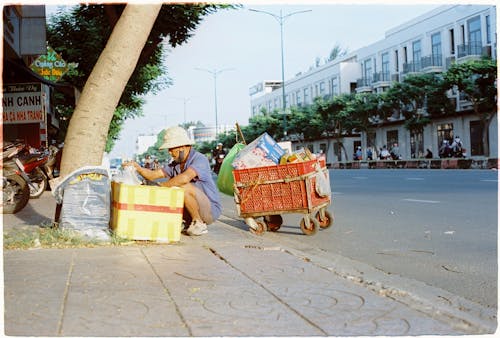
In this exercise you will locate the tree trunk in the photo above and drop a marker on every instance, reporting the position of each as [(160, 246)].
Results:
[(88, 129)]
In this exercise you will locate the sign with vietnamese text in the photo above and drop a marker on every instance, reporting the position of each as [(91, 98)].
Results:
[(23, 103), (51, 65)]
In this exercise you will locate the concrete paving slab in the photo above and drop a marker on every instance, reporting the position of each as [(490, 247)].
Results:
[(34, 287), (215, 299), (114, 292)]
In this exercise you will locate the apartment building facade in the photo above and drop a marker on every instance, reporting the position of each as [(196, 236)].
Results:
[(428, 43)]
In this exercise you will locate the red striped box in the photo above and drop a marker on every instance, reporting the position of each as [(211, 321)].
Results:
[(142, 212)]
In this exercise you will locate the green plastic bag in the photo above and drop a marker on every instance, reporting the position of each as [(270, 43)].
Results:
[(225, 180)]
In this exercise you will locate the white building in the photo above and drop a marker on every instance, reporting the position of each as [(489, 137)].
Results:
[(207, 134), (428, 43)]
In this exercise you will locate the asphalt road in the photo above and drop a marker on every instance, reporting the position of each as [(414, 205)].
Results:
[(435, 226)]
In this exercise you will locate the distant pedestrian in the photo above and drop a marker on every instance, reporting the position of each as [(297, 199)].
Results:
[(148, 162), (384, 153), (445, 150), (156, 164), (369, 154), (358, 155), (429, 154), (395, 152)]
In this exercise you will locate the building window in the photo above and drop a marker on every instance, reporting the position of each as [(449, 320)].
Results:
[(392, 138), (306, 96), (417, 55), (396, 61), (436, 49), (367, 72), (405, 54), (322, 148), (298, 98), (385, 67), (452, 42), (488, 29), (476, 138), (335, 87), (322, 88), (474, 27)]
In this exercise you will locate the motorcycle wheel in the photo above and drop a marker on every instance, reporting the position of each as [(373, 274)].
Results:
[(16, 194), (39, 182)]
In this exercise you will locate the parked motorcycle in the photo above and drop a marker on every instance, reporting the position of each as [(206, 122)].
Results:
[(15, 188), (33, 165)]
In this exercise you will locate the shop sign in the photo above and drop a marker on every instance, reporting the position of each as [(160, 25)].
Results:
[(51, 65), (23, 103)]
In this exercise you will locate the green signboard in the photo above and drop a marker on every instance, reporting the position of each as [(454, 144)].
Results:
[(51, 65)]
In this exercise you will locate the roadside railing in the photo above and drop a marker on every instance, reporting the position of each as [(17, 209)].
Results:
[(448, 163)]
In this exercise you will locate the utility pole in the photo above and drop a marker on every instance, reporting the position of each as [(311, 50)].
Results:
[(281, 20)]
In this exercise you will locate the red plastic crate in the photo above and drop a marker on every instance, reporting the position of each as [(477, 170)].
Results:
[(277, 189)]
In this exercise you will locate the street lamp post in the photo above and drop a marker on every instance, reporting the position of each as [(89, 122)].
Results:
[(214, 73), (281, 20), (184, 101)]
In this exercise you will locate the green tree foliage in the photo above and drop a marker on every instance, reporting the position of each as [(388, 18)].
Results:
[(416, 98), (81, 33), (337, 52), (476, 80), (305, 123)]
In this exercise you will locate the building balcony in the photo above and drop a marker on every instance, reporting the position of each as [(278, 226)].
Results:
[(469, 49), (381, 79), (364, 85), (412, 67), (432, 64)]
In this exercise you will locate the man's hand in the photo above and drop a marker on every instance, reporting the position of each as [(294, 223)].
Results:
[(132, 163), (148, 174)]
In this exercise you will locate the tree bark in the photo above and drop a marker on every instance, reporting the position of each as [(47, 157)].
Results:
[(88, 129)]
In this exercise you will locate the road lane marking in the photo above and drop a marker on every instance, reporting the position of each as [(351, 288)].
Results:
[(420, 201), (489, 180), (414, 179)]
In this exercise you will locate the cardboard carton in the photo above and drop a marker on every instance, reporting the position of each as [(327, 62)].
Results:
[(142, 212), (261, 152)]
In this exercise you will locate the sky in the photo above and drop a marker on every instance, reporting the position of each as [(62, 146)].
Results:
[(245, 47)]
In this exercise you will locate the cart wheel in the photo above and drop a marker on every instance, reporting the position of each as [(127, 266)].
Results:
[(261, 228), (312, 226), (273, 222), (324, 221)]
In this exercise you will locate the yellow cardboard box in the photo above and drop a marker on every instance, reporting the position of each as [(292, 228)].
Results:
[(142, 212)]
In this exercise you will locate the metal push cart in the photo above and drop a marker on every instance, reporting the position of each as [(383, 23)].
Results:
[(271, 191)]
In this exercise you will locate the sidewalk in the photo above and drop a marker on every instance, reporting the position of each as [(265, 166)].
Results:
[(228, 282)]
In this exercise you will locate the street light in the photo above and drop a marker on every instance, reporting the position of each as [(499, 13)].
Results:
[(281, 20), (214, 73)]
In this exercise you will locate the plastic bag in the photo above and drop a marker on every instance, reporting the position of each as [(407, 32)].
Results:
[(85, 197), (322, 182), (225, 179), (127, 175)]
